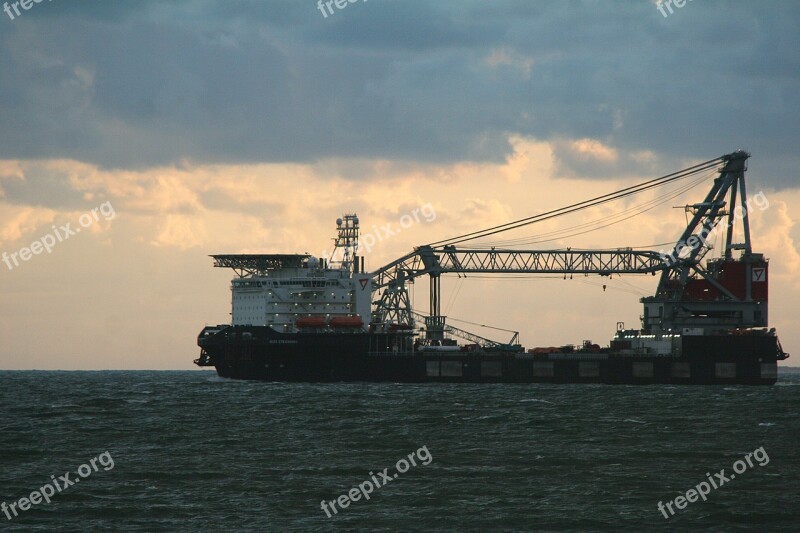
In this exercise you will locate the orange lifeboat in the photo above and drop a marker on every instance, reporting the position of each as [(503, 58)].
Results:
[(346, 322), (310, 322)]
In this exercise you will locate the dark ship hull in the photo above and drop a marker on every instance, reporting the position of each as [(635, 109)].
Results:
[(261, 353), (707, 323)]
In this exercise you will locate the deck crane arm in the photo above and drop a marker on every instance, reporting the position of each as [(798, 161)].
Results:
[(434, 261), (427, 260), (676, 267)]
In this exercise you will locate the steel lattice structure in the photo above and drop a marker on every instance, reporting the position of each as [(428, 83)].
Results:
[(675, 268)]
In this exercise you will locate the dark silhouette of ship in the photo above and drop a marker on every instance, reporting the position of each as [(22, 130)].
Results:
[(296, 317)]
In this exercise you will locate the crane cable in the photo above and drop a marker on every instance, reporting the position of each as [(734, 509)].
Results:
[(599, 223), (634, 189)]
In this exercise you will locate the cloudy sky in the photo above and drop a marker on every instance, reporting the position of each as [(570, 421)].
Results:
[(200, 127)]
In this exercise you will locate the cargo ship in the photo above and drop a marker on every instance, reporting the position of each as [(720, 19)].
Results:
[(296, 317)]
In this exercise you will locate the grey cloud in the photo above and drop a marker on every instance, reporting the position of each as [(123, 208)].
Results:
[(135, 85), (222, 200), (43, 188)]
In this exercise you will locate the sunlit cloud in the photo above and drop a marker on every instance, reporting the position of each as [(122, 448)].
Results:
[(216, 128)]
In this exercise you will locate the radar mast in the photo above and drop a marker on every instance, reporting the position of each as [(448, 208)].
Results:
[(347, 241)]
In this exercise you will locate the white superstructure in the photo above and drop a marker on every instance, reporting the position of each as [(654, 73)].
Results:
[(277, 290), (284, 295)]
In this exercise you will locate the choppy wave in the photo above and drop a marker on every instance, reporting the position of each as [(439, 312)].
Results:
[(194, 452)]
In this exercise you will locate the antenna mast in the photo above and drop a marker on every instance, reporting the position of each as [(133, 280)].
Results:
[(346, 240)]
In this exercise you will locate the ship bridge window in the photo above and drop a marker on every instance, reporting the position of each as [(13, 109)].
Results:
[(248, 284)]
